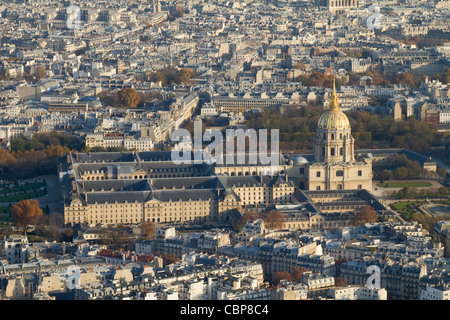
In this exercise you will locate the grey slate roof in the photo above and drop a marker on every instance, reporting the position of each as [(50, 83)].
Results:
[(120, 197), (116, 185), (184, 195)]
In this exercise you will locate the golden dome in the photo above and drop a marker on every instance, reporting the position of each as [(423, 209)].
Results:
[(333, 118)]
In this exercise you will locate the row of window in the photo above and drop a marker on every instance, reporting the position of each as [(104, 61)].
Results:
[(339, 173), (340, 187), (332, 151), (333, 136), (155, 176)]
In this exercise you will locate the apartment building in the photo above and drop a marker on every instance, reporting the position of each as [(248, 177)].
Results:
[(15, 249), (439, 293), (399, 279), (357, 293)]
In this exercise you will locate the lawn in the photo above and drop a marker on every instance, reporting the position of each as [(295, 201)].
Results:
[(402, 205), (413, 184), (22, 196)]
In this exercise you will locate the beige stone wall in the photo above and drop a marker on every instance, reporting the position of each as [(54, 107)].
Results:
[(315, 222), (124, 274), (51, 283), (245, 170), (340, 177), (174, 211), (15, 289)]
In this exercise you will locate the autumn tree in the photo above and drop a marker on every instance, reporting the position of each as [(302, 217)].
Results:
[(148, 229), (179, 11), (405, 78), (67, 234), (108, 98), (171, 75), (48, 226), (317, 79), (340, 282), (168, 258), (297, 274), (300, 66), (185, 75), (273, 219), (365, 215), (281, 275), (6, 158), (41, 73), (26, 212), (246, 217), (128, 98)]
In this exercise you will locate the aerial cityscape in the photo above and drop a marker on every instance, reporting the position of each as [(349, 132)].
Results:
[(253, 150)]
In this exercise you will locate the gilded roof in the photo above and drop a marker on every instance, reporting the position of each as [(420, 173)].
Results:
[(333, 118)]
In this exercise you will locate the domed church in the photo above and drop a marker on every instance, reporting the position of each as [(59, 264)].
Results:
[(333, 166)]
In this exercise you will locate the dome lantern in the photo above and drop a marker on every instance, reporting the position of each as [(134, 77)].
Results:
[(333, 118)]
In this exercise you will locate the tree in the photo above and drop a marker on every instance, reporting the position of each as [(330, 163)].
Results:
[(148, 229), (273, 220), (49, 226), (128, 98), (365, 215), (340, 282), (41, 73), (6, 158), (168, 258), (26, 212), (246, 217), (185, 75), (281, 275), (300, 66), (441, 172), (445, 76), (108, 98), (179, 11), (68, 234), (406, 78), (4, 74), (297, 274), (401, 173)]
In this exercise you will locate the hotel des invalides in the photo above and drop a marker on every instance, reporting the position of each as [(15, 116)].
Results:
[(320, 190)]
